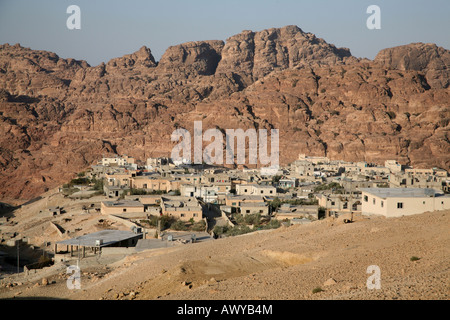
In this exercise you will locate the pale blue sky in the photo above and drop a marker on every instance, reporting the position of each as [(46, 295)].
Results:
[(112, 28)]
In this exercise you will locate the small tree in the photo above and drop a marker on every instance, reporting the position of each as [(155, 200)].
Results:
[(275, 204)]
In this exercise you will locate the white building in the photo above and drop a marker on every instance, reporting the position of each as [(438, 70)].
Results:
[(119, 161), (207, 193), (396, 202), (393, 166)]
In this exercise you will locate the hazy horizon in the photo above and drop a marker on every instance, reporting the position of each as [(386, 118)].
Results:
[(111, 29)]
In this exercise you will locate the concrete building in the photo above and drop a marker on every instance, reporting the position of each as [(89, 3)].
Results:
[(119, 179), (151, 183), (288, 183), (416, 180), (396, 202), (118, 161), (207, 193), (121, 206), (246, 208), (233, 201), (183, 208), (339, 203), (255, 189), (113, 191), (393, 166)]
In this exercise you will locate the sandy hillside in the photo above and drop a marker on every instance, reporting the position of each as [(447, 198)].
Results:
[(287, 263)]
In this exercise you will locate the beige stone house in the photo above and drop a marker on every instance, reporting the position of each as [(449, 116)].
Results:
[(151, 183), (183, 208), (121, 206), (396, 202)]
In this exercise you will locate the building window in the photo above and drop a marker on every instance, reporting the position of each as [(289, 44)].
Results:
[(270, 191), (374, 201), (382, 204), (182, 215), (247, 211), (424, 202), (366, 198), (332, 203), (399, 205), (124, 210), (195, 215)]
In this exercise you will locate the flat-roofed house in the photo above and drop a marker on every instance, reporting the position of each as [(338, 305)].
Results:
[(288, 183), (246, 208), (256, 189), (396, 202), (264, 190), (393, 166), (151, 183), (183, 208), (121, 206), (244, 189), (147, 199), (207, 193), (118, 179), (233, 201)]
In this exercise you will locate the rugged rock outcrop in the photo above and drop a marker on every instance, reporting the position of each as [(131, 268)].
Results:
[(58, 116), (257, 54), (428, 58)]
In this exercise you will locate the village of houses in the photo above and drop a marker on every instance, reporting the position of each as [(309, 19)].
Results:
[(119, 206)]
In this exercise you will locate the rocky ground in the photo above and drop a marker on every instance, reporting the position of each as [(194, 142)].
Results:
[(286, 263)]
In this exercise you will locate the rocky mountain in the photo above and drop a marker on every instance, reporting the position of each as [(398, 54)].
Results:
[(58, 116)]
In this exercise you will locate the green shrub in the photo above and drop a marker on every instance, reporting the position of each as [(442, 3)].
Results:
[(166, 221), (238, 218), (272, 224), (199, 226), (220, 230), (178, 225), (238, 230), (414, 258), (317, 290), (82, 181), (254, 219), (98, 184)]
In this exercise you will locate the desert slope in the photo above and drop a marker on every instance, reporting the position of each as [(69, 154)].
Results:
[(287, 263)]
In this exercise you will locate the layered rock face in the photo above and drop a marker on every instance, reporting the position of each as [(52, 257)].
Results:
[(428, 58), (58, 116)]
